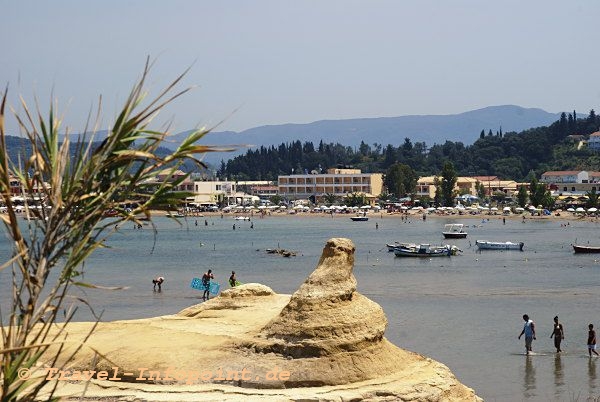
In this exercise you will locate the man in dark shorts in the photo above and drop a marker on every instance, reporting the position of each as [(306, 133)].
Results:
[(206, 277)]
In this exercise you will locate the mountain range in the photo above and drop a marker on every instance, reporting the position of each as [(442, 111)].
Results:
[(431, 129)]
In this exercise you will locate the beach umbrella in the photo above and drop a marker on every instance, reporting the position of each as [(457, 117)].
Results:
[(519, 209), (506, 209), (593, 209), (494, 209), (580, 209), (365, 207), (570, 209)]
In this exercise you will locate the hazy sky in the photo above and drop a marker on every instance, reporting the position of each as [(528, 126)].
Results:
[(302, 61)]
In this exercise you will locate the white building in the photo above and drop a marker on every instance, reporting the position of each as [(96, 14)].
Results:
[(594, 141), (219, 192), (565, 176), (339, 182)]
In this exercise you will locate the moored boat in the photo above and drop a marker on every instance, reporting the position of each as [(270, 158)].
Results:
[(578, 248), (498, 245), (391, 246), (359, 218), (454, 231), (425, 250)]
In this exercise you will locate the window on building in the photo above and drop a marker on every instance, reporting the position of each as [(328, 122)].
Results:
[(572, 188)]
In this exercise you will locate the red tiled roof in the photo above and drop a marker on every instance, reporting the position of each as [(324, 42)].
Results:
[(561, 173)]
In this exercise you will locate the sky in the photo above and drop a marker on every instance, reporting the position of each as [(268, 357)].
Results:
[(255, 63)]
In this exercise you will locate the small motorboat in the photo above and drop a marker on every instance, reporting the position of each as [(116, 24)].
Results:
[(578, 248), (359, 218), (426, 250), (498, 245), (454, 231), (242, 218), (391, 246)]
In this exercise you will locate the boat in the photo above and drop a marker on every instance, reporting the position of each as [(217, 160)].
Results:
[(242, 218), (454, 231), (586, 249), (359, 218), (392, 246), (175, 215), (498, 245), (425, 250)]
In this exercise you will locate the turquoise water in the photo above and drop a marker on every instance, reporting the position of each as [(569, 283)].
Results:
[(464, 311)]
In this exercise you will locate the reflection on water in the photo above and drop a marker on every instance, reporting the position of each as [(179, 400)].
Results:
[(529, 379), (559, 380), (592, 374)]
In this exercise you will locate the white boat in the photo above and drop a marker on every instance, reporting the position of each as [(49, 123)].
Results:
[(391, 246), (242, 218), (426, 250), (454, 231), (498, 245)]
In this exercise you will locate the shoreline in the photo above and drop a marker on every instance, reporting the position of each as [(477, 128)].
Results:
[(564, 216)]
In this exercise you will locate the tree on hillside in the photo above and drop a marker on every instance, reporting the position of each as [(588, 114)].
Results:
[(400, 180), (355, 200), (592, 201), (480, 188), (447, 184), (537, 191), (522, 196), (437, 198), (330, 199)]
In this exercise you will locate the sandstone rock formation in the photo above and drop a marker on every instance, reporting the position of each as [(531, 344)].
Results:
[(327, 338)]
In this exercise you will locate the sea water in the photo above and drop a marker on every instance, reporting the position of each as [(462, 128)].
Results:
[(464, 311)]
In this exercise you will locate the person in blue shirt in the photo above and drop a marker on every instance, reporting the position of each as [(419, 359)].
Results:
[(529, 332)]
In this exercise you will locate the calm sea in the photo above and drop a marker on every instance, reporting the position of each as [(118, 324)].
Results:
[(464, 311)]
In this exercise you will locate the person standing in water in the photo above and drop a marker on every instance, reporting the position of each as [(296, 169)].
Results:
[(591, 342), (232, 279), (558, 334), (206, 277), (529, 332)]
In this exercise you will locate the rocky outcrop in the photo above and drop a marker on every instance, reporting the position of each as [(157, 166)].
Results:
[(328, 329), (327, 339)]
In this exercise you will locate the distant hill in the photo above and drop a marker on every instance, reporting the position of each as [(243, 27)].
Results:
[(431, 129)]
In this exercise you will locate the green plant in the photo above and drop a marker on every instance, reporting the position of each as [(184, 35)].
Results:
[(75, 190)]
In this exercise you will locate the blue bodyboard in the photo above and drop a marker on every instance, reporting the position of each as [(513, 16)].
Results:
[(213, 287)]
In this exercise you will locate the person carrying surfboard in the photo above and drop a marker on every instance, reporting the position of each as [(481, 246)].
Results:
[(529, 332), (206, 277)]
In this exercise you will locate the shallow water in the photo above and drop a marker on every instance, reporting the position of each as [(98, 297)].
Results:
[(464, 311)]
